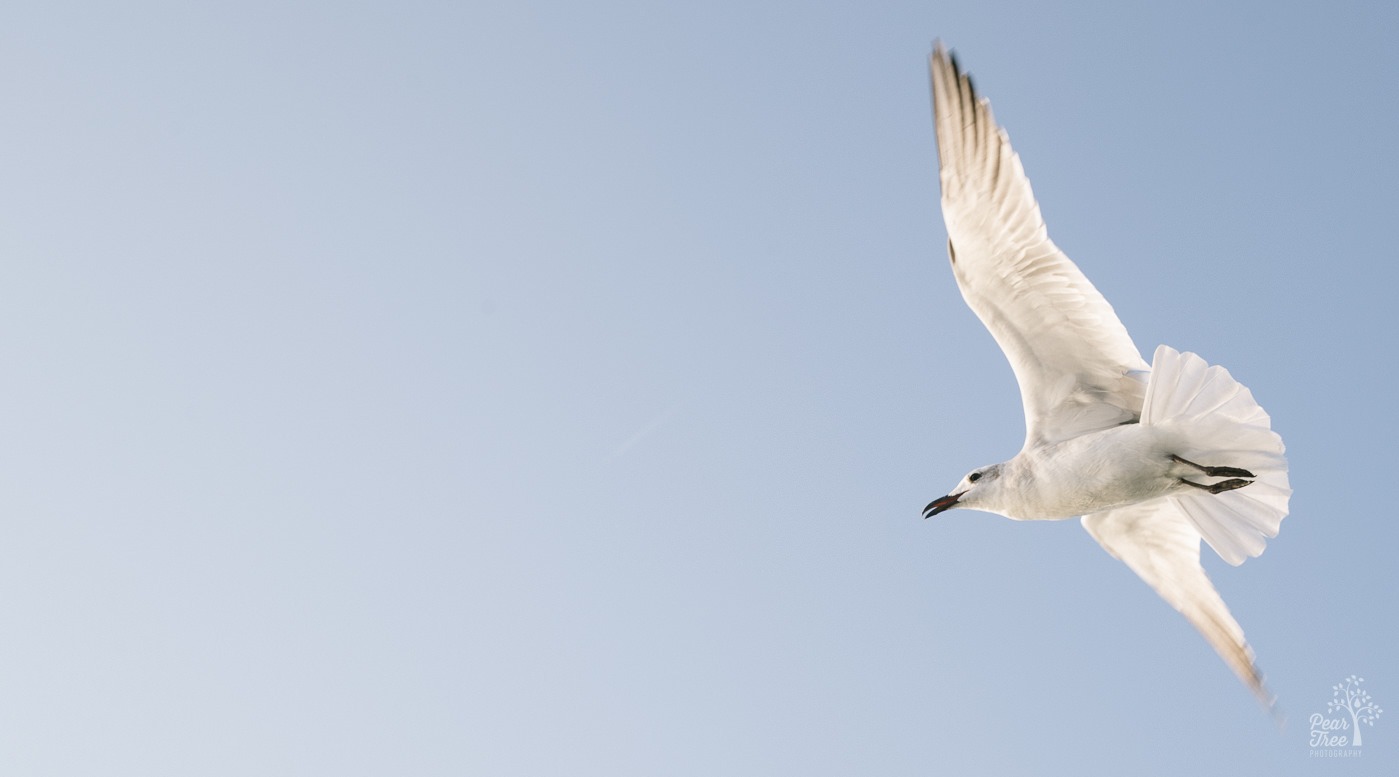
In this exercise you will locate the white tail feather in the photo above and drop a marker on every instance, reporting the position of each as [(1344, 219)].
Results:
[(1221, 425)]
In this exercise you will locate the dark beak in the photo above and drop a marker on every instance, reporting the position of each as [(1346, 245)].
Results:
[(942, 504)]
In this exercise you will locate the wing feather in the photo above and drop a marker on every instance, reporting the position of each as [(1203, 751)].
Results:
[(1157, 541), (1070, 353)]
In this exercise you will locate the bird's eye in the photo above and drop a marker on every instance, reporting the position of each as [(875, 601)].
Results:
[(975, 476)]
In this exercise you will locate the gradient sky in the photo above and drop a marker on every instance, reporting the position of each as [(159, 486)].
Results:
[(529, 388)]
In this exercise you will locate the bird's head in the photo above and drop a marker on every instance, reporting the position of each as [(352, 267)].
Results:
[(979, 489)]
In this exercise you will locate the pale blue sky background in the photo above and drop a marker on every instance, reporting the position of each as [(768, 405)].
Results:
[(532, 388)]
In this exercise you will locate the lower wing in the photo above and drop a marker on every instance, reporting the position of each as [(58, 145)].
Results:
[(1158, 541)]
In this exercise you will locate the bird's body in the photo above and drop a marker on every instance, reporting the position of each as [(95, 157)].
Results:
[(1153, 457), (1098, 471)]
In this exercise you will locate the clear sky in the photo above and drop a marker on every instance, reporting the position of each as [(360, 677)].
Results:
[(529, 388)]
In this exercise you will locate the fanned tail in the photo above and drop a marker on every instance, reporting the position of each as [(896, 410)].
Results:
[(1221, 425)]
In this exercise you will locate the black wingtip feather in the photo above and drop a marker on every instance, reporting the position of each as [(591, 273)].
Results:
[(958, 74)]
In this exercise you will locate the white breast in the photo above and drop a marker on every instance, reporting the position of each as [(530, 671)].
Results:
[(1098, 471)]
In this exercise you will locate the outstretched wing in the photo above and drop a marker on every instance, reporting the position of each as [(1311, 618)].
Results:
[(1157, 540), (1071, 354)]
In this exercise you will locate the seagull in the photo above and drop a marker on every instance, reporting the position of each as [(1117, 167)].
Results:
[(1152, 458)]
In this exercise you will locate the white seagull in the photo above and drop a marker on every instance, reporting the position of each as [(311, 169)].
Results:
[(1153, 458)]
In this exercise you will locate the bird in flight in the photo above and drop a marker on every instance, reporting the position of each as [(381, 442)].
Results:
[(1155, 457)]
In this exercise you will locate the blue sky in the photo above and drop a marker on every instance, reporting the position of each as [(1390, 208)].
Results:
[(542, 388)]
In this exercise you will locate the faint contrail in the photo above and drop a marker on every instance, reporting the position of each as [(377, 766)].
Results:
[(641, 434)]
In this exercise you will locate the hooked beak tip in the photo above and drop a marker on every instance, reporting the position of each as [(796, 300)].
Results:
[(941, 504)]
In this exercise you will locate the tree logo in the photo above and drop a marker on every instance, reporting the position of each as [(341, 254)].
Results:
[(1337, 733)]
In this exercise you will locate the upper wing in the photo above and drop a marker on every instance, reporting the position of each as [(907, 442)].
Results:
[(1158, 542), (1069, 351)]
